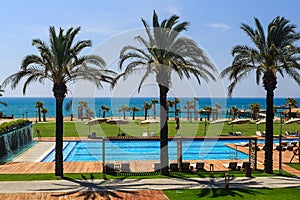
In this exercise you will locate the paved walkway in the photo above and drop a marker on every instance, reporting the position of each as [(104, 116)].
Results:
[(135, 186)]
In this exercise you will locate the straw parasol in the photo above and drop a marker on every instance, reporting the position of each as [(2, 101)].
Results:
[(118, 122), (149, 121), (238, 121), (292, 120), (95, 121)]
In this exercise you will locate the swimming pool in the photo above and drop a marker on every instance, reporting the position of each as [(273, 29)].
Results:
[(121, 150)]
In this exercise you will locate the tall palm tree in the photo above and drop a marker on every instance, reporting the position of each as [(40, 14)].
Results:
[(273, 54), (134, 110), (44, 111), (105, 109), (39, 105), (154, 102), (164, 51), (61, 64), (146, 107), (1, 91), (124, 109), (291, 103)]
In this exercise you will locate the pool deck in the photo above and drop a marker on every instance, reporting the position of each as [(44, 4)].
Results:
[(28, 162)]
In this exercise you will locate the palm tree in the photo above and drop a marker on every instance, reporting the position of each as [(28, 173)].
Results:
[(124, 109), (291, 103), (61, 64), (39, 105), (146, 107), (164, 51), (274, 53), (105, 109), (82, 105), (233, 110), (1, 91), (44, 111), (176, 101), (154, 102), (188, 107), (170, 104), (208, 111), (134, 110), (218, 107), (195, 101), (255, 107)]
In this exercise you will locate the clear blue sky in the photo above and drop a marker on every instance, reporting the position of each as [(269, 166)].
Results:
[(214, 24)]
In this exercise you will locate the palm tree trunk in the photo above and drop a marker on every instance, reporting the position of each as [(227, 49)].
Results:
[(39, 114), (164, 154), (269, 133), (59, 93), (269, 81), (146, 113), (154, 111)]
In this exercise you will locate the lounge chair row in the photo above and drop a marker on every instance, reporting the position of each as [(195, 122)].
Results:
[(186, 167), (117, 167), (234, 133)]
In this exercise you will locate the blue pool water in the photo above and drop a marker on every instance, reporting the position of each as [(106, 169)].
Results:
[(120, 150), (147, 150)]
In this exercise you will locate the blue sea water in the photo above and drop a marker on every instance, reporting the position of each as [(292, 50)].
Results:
[(25, 106)]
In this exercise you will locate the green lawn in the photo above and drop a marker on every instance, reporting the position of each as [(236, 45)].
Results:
[(242, 193), (294, 165), (75, 129)]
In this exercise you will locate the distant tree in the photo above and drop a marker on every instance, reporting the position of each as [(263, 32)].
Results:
[(233, 110), (1, 91), (124, 109), (218, 107), (154, 102), (208, 110), (195, 102), (176, 101), (44, 111), (39, 105), (169, 105), (104, 109), (255, 107), (291, 103), (188, 107), (146, 107), (134, 110)]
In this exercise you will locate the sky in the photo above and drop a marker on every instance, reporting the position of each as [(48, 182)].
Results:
[(214, 25)]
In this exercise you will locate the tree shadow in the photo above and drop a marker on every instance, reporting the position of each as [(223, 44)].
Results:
[(89, 189)]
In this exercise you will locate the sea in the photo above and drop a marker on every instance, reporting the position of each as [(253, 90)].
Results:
[(24, 107)]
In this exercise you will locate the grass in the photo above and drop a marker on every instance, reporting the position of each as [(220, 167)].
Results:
[(241, 193), (76, 129), (294, 165), (133, 175)]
